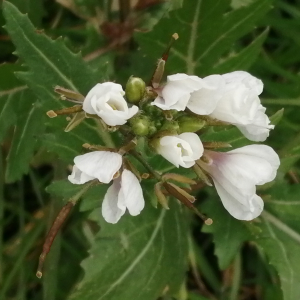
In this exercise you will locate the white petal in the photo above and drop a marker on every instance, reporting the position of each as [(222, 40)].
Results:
[(78, 177), (111, 118), (132, 111), (110, 210), (169, 150), (99, 90), (181, 150), (259, 129), (131, 193), (204, 100), (99, 164), (246, 78), (242, 208), (262, 161), (195, 143)]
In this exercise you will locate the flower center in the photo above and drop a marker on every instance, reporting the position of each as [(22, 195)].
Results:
[(184, 151)]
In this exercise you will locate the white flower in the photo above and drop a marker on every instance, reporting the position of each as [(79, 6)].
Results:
[(237, 172), (181, 150), (241, 106), (106, 100), (101, 165), (125, 192)]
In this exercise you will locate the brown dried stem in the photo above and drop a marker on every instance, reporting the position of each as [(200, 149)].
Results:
[(59, 221)]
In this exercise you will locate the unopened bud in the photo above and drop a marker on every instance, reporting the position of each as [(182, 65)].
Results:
[(152, 128), (190, 124), (171, 126), (140, 125), (135, 89)]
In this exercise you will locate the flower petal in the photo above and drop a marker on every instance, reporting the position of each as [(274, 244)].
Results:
[(245, 208), (262, 161), (78, 177), (131, 193), (99, 164), (194, 142), (246, 78), (110, 210), (205, 100), (99, 90)]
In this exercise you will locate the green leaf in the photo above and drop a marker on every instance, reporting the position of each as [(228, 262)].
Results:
[(29, 127), (281, 245), (229, 233), (64, 189), (206, 32), (137, 258), (50, 62), (10, 93), (243, 59)]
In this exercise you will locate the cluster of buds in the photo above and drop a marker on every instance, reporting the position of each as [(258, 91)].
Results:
[(170, 116)]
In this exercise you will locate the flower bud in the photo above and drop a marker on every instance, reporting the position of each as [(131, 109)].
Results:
[(141, 125), (190, 124), (171, 126), (135, 89)]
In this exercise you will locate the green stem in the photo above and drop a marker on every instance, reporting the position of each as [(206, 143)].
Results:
[(236, 282), (135, 154), (104, 135)]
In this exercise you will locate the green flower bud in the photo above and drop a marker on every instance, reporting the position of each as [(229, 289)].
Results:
[(170, 125), (190, 124), (135, 89), (152, 128), (140, 125)]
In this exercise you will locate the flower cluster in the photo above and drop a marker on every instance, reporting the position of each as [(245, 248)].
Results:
[(169, 116)]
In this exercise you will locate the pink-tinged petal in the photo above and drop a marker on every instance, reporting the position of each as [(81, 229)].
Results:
[(99, 164), (246, 209), (131, 194), (111, 212), (78, 177)]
